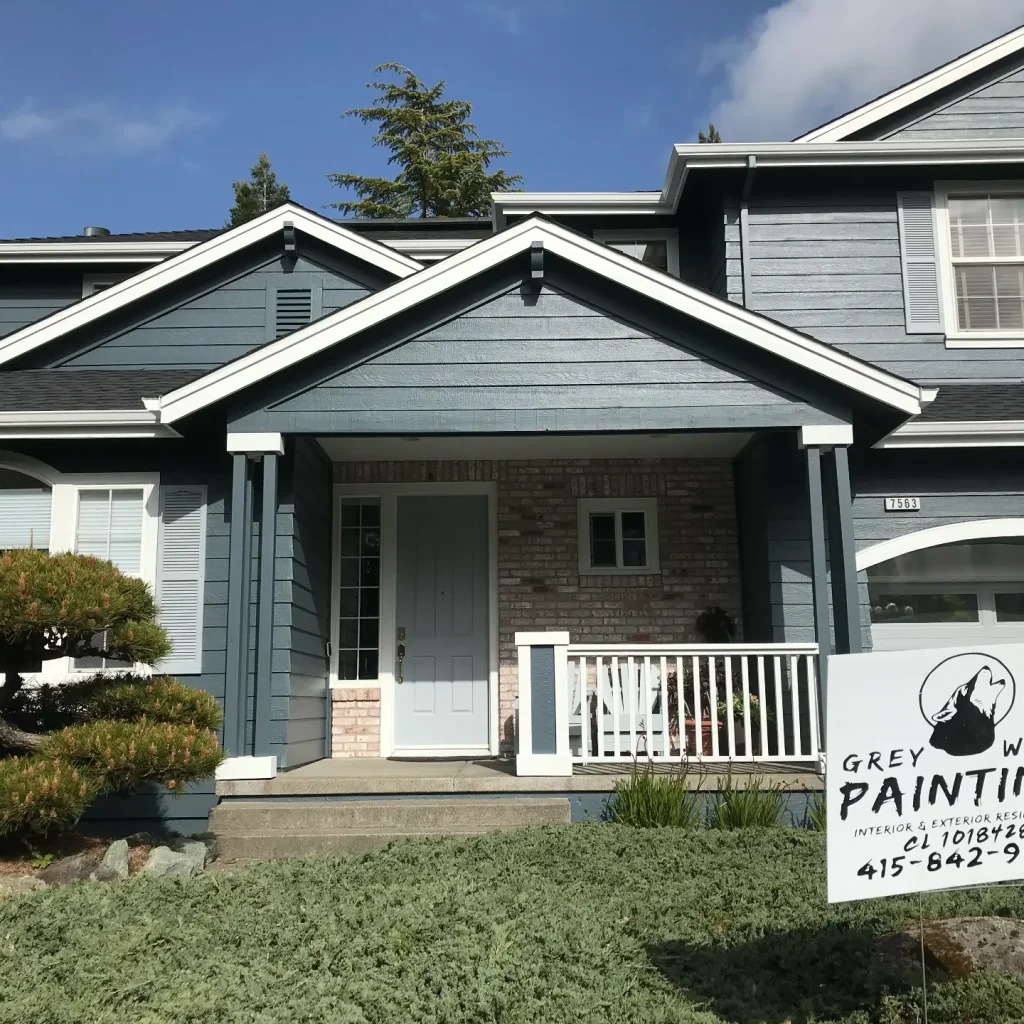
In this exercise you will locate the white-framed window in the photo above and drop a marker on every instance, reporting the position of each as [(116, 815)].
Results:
[(657, 247), (618, 536), (93, 283), (980, 248), (359, 589)]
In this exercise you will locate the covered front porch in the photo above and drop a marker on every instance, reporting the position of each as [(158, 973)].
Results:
[(454, 610)]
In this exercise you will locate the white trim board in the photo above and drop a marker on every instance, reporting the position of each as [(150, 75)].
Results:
[(389, 494), (918, 89), (196, 258), (956, 434), (403, 295), (976, 529)]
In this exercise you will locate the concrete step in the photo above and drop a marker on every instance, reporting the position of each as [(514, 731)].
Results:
[(262, 829)]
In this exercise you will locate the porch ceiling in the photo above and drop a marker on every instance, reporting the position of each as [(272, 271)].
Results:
[(722, 444)]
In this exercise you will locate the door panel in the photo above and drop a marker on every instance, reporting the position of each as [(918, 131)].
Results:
[(442, 602)]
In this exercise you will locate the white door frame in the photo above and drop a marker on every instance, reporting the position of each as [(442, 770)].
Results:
[(389, 494)]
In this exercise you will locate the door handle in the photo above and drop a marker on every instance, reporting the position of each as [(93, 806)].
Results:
[(400, 651)]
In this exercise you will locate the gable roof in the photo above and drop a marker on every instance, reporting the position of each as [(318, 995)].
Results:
[(917, 89), (602, 260), (197, 257)]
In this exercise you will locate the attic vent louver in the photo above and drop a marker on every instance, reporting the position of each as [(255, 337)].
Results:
[(294, 310)]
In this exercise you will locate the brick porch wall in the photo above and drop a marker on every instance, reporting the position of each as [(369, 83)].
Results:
[(539, 585), (355, 722)]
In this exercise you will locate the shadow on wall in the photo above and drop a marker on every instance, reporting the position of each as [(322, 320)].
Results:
[(152, 809), (801, 975)]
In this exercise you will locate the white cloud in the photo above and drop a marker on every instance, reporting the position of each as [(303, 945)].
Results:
[(805, 61), (99, 126)]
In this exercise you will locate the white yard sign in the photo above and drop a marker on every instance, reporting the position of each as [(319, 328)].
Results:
[(925, 775)]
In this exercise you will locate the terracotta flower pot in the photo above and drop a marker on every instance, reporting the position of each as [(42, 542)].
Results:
[(705, 736)]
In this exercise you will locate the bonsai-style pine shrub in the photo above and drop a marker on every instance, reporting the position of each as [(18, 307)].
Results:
[(61, 745)]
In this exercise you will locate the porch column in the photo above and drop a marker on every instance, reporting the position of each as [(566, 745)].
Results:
[(237, 658), (819, 568), (842, 552), (542, 720), (250, 760)]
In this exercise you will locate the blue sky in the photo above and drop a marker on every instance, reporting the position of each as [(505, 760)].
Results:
[(138, 116)]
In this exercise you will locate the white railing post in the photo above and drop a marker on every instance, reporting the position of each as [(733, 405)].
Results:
[(542, 736)]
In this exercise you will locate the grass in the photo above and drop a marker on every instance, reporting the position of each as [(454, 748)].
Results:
[(589, 924), (756, 805)]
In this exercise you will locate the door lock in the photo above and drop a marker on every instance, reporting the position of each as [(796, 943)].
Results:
[(400, 651)]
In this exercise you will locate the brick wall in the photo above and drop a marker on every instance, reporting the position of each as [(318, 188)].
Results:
[(355, 722), (539, 584)]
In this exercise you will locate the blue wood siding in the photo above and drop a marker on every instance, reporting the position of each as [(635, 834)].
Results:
[(550, 361), (217, 326), (829, 265), (991, 112), (28, 294), (302, 603)]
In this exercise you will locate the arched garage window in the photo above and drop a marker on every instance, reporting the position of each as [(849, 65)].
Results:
[(950, 594), (25, 504)]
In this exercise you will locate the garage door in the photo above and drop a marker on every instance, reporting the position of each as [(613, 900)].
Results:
[(947, 596)]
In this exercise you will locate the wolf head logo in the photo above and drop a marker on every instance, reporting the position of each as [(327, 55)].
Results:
[(966, 723)]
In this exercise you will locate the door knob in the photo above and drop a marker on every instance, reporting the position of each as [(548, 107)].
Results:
[(400, 651)]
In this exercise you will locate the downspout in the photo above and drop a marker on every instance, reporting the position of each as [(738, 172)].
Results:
[(748, 187)]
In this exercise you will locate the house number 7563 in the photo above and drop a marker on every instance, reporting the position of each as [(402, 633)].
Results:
[(902, 504)]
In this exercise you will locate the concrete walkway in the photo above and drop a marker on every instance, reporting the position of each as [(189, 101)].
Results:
[(377, 775)]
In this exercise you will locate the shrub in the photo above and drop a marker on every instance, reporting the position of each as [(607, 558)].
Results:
[(649, 799), (758, 805), (41, 793), (160, 699), (127, 754)]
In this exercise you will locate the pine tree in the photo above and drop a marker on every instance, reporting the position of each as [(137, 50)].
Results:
[(711, 136), (257, 195), (444, 165)]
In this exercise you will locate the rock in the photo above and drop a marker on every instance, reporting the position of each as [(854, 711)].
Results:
[(196, 853), (104, 873), (116, 859), (11, 885), (141, 839), (954, 948), (76, 868), (163, 862)]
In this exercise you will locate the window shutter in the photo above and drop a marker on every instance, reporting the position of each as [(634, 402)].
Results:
[(25, 519), (181, 574), (920, 262)]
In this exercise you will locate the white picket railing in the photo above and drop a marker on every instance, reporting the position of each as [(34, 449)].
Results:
[(665, 702)]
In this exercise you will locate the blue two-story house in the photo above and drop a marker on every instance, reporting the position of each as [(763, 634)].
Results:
[(387, 479)]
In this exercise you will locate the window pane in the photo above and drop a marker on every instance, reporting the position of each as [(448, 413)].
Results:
[(369, 603), (370, 513), (349, 601), (968, 227), (602, 540), (349, 543), (24, 512), (976, 298), (369, 572), (348, 635), (350, 572), (656, 255), (893, 606), (370, 544), (633, 526), (110, 526), (368, 633), (349, 514), (634, 553), (347, 664), (634, 543), (1010, 607), (1008, 297), (368, 664)]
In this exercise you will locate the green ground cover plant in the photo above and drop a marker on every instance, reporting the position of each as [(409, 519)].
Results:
[(589, 924)]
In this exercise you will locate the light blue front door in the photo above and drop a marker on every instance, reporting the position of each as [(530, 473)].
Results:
[(442, 602)]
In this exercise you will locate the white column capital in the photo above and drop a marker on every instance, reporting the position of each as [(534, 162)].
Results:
[(829, 435), (256, 444)]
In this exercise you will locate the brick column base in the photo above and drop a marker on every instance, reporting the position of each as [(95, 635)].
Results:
[(355, 722)]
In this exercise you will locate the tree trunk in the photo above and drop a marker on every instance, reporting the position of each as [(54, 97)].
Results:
[(13, 738)]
